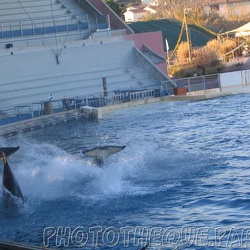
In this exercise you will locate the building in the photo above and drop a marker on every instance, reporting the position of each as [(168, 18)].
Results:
[(137, 13), (228, 7), (151, 8), (66, 48)]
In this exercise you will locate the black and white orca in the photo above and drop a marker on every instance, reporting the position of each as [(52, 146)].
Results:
[(12, 193), (145, 247)]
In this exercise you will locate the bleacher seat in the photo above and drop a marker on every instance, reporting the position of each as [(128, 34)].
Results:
[(41, 67), (44, 26), (35, 17)]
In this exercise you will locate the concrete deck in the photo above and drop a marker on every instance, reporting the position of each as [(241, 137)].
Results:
[(171, 98), (39, 122)]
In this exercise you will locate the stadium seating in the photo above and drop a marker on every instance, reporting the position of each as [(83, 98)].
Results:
[(63, 48)]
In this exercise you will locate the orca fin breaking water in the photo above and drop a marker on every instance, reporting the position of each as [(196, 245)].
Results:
[(145, 247), (100, 153), (12, 193)]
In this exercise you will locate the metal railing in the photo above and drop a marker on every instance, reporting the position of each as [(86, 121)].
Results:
[(15, 114), (199, 83), (38, 109), (19, 113), (46, 25)]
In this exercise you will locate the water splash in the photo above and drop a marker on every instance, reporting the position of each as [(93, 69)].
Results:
[(48, 173)]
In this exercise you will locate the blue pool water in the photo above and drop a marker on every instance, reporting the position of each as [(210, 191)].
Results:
[(181, 182)]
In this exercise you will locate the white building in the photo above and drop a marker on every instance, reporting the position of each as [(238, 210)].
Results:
[(226, 7), (135, 14)]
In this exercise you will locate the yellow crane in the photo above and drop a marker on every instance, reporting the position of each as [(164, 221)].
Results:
[(185, 26)]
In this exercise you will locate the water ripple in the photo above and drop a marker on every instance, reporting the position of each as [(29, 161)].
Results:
[(186, 165)]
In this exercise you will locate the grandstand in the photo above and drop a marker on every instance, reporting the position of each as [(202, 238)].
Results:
[(66, 48)]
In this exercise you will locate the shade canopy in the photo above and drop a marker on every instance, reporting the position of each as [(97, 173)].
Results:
[(240, 32)]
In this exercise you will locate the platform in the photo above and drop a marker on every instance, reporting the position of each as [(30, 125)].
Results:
[(40, 122)]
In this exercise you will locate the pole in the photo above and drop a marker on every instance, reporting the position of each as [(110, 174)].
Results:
[(188, 37), (167, 48), (105, 88)]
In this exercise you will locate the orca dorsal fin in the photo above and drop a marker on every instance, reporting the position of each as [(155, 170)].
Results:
[(9, 150)]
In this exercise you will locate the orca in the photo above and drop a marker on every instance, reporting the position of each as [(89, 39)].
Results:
[(145, 247), (100, 153), (12, 194)]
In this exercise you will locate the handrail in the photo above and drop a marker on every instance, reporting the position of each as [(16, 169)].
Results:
[(197, 83), (27, 7), (100, 99), (39, 18), (38, 37)]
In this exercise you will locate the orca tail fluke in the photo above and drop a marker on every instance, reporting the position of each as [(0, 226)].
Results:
[(108, 150), (102, 152), (8, 150)]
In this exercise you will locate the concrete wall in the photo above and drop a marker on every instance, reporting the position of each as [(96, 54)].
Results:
[(236, 8), (153, 40), (236, 78), (114, 19), (135, 16), (33, 69), (29, 63), (237, 81), (31, 76), (150, 67)]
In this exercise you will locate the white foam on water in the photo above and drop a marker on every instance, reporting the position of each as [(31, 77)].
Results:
[(46, 172)]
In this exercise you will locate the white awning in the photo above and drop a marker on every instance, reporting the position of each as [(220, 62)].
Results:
[(241, 31)]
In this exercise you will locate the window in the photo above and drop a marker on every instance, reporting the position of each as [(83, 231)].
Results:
[(215, 7)]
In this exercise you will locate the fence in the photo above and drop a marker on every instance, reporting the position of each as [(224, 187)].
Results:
[(199, 83), (38, 109), (46, 25), (193, 84)]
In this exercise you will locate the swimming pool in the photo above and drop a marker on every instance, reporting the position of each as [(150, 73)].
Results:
[(181, 182)]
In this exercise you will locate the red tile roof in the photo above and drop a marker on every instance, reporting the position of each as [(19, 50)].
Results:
[(137, 10)]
